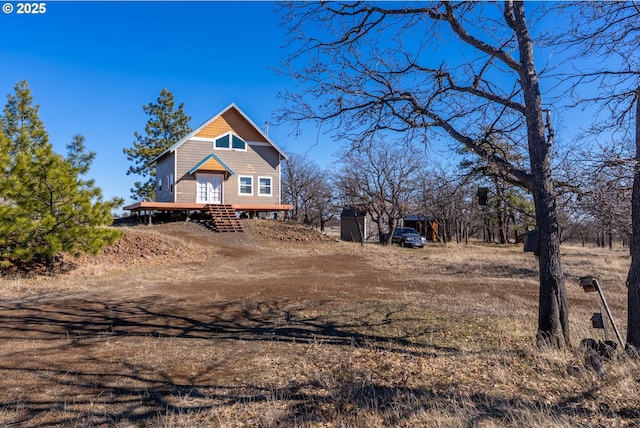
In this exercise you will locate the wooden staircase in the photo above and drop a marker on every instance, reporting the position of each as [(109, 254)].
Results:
[(224, 218)]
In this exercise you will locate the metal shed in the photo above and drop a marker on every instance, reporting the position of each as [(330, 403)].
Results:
[(353, 225)]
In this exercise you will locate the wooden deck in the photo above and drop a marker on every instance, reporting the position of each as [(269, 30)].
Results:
[(172, 206)]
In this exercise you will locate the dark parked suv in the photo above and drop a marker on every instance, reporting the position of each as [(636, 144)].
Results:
[(408, 237)]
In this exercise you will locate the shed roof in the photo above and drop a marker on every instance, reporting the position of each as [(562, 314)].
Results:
[(352, 212)]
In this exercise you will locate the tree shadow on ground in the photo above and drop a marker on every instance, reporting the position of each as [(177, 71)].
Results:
[(50, 317), (76, 385)]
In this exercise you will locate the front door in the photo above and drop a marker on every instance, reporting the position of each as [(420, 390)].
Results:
[(209, 189)]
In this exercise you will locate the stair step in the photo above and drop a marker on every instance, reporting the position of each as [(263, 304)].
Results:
[(224, 218)]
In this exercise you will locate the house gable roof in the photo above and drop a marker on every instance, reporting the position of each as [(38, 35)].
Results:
[(218, 125), (211, 163)]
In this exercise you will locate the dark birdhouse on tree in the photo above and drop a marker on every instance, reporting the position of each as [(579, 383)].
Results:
[(483, 195), (531, 242), (588, 284), (596, 320)]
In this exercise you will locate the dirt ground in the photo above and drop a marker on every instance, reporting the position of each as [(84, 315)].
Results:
[(177, 326)]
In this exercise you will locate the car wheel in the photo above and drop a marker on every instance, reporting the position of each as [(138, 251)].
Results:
[(402, 244)]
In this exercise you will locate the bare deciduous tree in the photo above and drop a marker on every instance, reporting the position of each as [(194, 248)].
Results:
[(380, 179), (507, 200), (609, 31), (307, 187), (465, 70), (442, 195)]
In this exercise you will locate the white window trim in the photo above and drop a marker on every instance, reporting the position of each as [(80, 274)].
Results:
[(175, 174), (270, 186), (240, 177), (231, 134), (207, 139)]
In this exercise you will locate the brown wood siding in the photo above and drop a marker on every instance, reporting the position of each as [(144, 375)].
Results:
[(164, 169), (212, 165), (242, 127), (189, 155), (215, 129), (256, 161), (231, 120)]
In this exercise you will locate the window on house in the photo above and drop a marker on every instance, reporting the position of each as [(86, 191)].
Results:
[(238, 143), (171, 183), (245, 185), (222, 142), (264, 183), (160, 184), (230, 141)]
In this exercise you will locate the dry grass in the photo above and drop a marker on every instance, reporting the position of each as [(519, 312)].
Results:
[(244, 331)]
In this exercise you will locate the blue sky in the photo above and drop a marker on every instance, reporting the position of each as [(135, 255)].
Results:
[(91, 67)]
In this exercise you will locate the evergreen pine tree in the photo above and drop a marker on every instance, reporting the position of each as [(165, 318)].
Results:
[(45, 208), (164, 128), (21, 122), (77, 156)]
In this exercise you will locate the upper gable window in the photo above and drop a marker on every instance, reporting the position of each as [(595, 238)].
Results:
[(223, 142), (230, 141), (238, 143)]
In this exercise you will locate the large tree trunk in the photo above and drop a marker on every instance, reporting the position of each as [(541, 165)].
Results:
[(633, 279), (553, 319), (391, 224), (429, 106), (502, 227), (501, 216)]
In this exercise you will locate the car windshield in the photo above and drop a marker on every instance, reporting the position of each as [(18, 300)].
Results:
[(405, 230)]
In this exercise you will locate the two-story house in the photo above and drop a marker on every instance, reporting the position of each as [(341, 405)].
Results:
[(227, 160)]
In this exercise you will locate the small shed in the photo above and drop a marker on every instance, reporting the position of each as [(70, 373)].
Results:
[(426, 226), (353, 224)]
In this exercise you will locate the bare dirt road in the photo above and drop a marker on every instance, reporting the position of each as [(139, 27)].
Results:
[(177, 326)]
